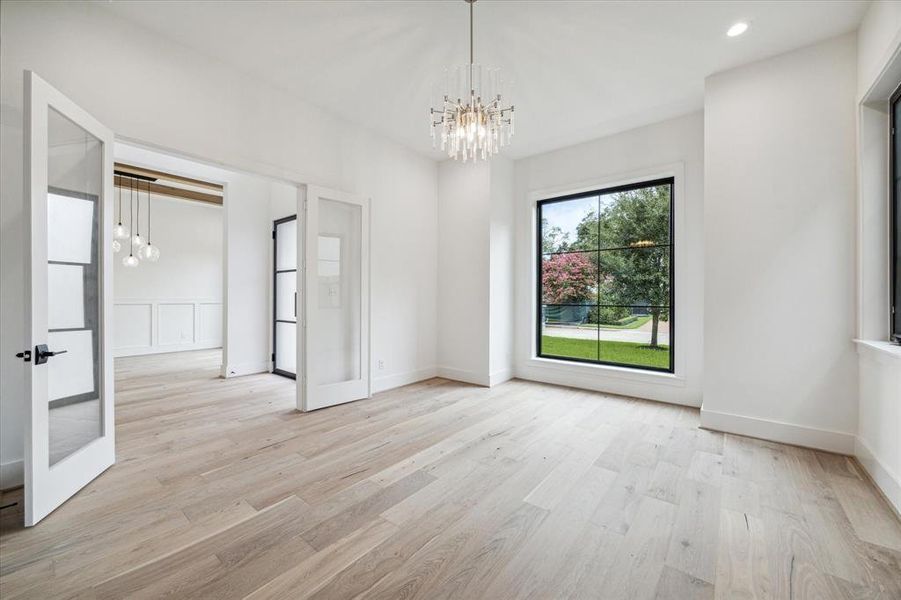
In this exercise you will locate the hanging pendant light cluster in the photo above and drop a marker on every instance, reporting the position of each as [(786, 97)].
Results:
[(138, 248), (472, 121)]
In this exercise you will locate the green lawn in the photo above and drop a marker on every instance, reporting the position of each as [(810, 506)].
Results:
[(619, 352)]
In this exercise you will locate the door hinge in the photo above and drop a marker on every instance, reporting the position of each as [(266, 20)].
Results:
[(273, 357)]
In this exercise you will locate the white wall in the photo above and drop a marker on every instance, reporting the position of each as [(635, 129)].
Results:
[(201, 107), (502, 307), (670, 147), (175, 303), (464, 196), (878, 442), (779, 361)]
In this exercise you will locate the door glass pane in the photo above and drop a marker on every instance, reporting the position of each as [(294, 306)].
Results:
[(285, 294), (75, 176), (286, 347), (286, 249), (339, 295)]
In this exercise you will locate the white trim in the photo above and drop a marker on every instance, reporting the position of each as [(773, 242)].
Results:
[(464, 375), (612, 372), (883, 352), (882, 476), (644, 385), (500, 376), (389, 382), (778, 431), (12, 474), (229, 371), (155, 346)]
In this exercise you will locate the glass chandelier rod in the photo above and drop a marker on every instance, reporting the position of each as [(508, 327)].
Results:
[(472, 53)]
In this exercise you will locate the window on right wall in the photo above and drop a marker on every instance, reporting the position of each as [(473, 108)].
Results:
[(895, 219), (605, 276)]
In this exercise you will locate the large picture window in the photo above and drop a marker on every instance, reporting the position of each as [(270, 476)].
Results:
[(605, 276)]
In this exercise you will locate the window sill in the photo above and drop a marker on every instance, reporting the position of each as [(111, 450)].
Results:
[(879, 349), (608, 371)]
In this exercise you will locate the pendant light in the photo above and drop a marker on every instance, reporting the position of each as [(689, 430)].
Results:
[(149, 252), (136, 239), (120, 231), (117, 245), (131, 260)]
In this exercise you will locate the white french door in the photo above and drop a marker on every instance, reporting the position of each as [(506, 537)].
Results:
[(335, 338), (70, 429)]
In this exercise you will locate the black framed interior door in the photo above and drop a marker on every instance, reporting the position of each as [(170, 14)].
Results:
[(284, 294)]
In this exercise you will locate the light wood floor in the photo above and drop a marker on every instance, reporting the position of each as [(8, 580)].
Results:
[(443, 490)]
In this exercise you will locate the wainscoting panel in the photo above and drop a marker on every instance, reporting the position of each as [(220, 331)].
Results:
[(175, 324), (151, 326), (209, 322), (133, 326)]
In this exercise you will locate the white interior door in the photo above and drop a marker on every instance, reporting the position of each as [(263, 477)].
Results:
[(335, 336), (70, 427)]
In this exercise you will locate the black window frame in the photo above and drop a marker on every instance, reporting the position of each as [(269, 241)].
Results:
[(895, 235), (539, 253)]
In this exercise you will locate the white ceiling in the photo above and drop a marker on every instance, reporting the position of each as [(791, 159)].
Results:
[(580, 69)]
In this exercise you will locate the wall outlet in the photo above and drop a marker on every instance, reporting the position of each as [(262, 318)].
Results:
[(381, 365)]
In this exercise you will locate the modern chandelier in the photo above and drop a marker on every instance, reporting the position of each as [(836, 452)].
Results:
[(472, 122)]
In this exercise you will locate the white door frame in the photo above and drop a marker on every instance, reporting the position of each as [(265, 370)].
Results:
[(310, 395), (46, 487)]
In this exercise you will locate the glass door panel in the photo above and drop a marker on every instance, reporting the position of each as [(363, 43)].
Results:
[(337, 306), (75, 178), (284, 338), (70, 431)]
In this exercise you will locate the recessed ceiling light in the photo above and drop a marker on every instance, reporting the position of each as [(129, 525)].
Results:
[(737, 29)]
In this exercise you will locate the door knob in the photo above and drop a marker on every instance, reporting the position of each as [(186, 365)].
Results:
[(42, 353)]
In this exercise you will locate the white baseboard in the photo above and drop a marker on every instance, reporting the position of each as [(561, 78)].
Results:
[(500, 376), (147, 350), (646, 385), (884, 479), (389, 382), (777, 431), (12, 474), (464, 376), (245, 369)]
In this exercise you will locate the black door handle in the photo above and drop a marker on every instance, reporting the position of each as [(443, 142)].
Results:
[(25, 355), (42, 353)]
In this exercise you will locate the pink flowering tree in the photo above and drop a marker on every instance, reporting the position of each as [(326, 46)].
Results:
[(568, 279)]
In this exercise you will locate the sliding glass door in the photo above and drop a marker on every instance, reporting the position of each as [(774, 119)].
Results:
[(284, 332)]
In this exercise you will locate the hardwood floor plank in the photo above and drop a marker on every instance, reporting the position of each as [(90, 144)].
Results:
[(635, 573), (329, 531), (676, 585), (693, 545), (742, 558)]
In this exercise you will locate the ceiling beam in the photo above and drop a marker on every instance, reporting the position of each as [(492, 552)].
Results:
[(126, 183), (126, 168)]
